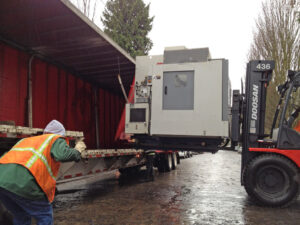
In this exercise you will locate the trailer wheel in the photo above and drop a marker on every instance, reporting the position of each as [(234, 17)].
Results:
[(168, 161), (161, 162), (174, 160), (272, 180)]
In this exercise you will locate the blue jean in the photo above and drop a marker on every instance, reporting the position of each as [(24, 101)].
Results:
[(23, 209)]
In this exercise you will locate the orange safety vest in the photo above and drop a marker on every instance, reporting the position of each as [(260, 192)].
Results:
[(34, 154)]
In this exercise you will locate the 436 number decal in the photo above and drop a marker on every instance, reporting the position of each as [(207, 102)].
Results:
[(263, 66)]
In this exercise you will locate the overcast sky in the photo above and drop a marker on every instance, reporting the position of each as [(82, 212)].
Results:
[(225, 26)]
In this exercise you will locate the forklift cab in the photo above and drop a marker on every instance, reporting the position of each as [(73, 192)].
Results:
[(288, 137)]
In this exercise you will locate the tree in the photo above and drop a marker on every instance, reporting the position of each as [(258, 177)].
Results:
[(87, 7), (277, 37), (128, 23)]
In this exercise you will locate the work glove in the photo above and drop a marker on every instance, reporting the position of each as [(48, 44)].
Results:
[(80, 145)]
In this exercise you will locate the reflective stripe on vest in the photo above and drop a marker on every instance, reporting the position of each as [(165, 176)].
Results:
[(37, 154)]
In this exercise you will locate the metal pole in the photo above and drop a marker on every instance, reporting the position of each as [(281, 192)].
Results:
[(96, 118), (123, 89), (30, 91)]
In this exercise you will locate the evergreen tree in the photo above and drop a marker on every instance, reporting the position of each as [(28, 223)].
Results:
[(128, 23)]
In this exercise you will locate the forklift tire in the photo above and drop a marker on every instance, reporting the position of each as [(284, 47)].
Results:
[(272, 180)]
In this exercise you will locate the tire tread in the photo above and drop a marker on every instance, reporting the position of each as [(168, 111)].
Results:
[(248, 188)]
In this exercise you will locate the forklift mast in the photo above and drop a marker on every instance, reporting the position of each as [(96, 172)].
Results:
[(248, 110)]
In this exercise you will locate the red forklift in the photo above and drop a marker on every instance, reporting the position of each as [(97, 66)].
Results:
[(270, 162)]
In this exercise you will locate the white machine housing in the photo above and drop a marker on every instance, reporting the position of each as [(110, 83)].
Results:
[(182, 93)]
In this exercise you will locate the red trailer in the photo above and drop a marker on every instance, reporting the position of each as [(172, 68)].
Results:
[(56, 64)]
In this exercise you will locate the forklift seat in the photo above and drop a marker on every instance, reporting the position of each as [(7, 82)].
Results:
[(288, 138)]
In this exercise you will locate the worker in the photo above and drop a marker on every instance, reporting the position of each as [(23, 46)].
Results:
[(28, 174), (150, 154)]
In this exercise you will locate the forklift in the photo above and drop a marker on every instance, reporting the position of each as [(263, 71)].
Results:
[(270, 162)]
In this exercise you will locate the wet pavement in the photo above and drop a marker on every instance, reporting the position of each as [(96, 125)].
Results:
[(204, 189)]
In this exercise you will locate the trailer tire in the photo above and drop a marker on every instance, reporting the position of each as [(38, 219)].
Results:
[(174, 160), (272, 180), (161, 163), (168, 162)]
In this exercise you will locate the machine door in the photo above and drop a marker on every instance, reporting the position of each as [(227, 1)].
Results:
[(178, 90)]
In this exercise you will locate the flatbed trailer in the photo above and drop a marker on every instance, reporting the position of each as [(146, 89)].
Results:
[(101, 160), (94, 161)]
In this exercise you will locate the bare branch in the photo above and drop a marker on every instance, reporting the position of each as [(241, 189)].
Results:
[(277, 37), (88, 8)]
